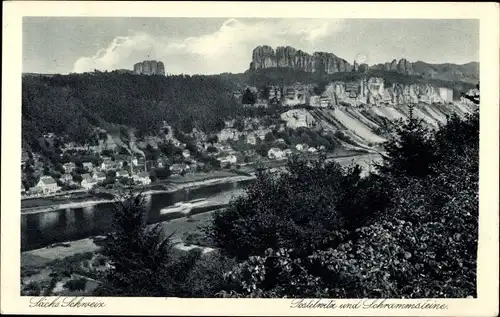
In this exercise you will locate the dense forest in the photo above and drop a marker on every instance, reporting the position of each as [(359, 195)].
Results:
[(73, 104)]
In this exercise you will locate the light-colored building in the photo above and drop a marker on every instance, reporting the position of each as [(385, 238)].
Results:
[(312, 150), (251, 139), (99, 176), (69, 167), (179, 168), (87, 181), (67, 179), (110, 165), (186, 153), (275, 153), (446, 94), (229, 159), (88, 166), (47, 185), (142, 178), (301, 147), (122, 173)]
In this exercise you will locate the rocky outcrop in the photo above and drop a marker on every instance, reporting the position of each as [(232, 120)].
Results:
[(149, 68), (287, 56), (402, 66), (373, 91), (266, 57)]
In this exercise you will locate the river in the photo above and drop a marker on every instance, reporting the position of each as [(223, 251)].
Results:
[(40, 229)]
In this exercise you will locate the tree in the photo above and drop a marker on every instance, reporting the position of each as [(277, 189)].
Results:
[(262, 149), (162, 172), (212, 149), (140, 258), (266, 91), (269, 137), (248, 97), (412, 151)]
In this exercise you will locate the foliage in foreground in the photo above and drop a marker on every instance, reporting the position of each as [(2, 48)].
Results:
[(410, 230), (420, 242)]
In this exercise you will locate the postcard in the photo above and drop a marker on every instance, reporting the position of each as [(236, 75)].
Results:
[(250, 158)]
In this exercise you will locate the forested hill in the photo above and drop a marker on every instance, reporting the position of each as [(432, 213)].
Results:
[(74, 104)]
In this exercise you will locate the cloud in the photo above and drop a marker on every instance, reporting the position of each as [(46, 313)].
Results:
[(229, 49)]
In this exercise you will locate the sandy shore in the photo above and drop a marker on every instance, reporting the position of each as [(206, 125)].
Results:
[(88, 203)]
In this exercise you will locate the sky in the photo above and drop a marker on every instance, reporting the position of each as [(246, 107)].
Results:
[(217, 45)]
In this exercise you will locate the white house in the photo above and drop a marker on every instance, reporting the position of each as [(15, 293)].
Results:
[(69, 167), (87, 181), (110, 165), (251, 139), (275, 153), (142, 178), (179, 168), (186, 153), (312, 150), (99, 176), (287, 152), (301, 147), (88, 166), (122, 173), (67, 179), (231, 159), (47, 185)]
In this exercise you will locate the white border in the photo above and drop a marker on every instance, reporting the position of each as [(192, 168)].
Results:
[(485, 305)]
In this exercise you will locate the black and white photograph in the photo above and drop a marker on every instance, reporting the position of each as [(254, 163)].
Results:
[(249, 157)]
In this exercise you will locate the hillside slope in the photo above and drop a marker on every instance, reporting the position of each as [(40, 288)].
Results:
[(369, 126)]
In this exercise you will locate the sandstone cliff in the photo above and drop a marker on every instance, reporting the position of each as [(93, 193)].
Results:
[(149, 68), (286, 56), (266, 57)]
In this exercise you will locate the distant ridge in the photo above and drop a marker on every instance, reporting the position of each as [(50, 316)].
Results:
[(328, 63)]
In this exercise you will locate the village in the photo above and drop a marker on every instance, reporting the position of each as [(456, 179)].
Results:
[(84, 168)]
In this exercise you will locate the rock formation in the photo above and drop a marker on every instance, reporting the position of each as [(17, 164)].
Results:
[(266, 57), (149, 68), (372, 91), (286, 56)]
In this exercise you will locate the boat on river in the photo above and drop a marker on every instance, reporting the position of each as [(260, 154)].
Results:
[(183, 207)]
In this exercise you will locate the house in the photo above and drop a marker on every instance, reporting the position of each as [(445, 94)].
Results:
[(110, 165), (287, 152), (324, 101), (87, 181), (142, 178), (88, 166), (301, 147), (186, 153), (135, 162), (69, 167), (312, 150), (275, 153), (47, 185), (23, 190), (251, 139), (99, 176), (179, 168), (122, 173), (229, 159), (66, 178)]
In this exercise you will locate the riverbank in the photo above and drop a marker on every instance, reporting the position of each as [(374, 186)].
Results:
[(89, 203), (180, 228), (176, 183)]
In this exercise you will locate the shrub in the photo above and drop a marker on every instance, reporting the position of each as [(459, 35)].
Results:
[(76, 284)]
